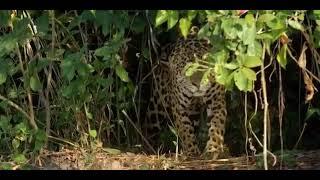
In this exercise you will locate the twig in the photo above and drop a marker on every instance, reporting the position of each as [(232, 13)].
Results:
[(309, 73), (252, 132), (302, 132), (47, 99), (246, 124), (31, 113), (281, 109), (17, 107), (62, 140), (265, 116), (143, 138)]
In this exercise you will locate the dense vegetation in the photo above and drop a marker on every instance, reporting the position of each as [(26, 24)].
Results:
[(80, 78)]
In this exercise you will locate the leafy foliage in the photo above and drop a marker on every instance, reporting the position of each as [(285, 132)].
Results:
[(69, 69)]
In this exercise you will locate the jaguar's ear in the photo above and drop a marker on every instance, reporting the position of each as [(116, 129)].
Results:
[(194, 31)]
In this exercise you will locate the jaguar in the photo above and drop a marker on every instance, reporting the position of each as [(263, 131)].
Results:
[(178, 98)]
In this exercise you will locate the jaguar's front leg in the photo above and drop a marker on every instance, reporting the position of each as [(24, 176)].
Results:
[(217, 114), (185, 127)]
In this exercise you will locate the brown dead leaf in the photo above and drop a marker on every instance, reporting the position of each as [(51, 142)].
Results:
[(302, 62), (116, 165), (309, 86), (284, 39)]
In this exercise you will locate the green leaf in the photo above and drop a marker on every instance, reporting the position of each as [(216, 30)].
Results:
[(316, 35), (249, 73), (295, 25), (21, 31), (255, 49), (21, 128), (69, 64), (12, 94), (231, 66), (221, 74), (230, 31), (232, 45), (266, 18), (4, 18), (316, 13), (192, 14), (40, 141), (175, 143), (89, 115), (3, 76), (88, 15), (122, 73), (249, 34), (104, 51), (250, 86), (273, 35), (221, 56), (205, 78), (112, 151), (68, 91), (240, 80), (251, 61), (5, 123), (104, 19), (191, 68), (265, 36), (229, 81), (121, 20), (173, 130), (282, 56), (276, 24), (138, 25), (162, 16), (110, 48), (74, 88), (184, 25), (35, 83), (204, 31), (93, 133), (173, 17), (43, 24), (312, 111), (105, 82), (15, 143), (20, 159), (250, 20), (83, 69)]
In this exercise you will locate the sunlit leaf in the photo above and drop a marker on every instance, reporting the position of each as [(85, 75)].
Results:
[(192, 14), (295, 25), (93, 133), (251, 61), (20, 159), (184, 25), (35, 83), (122, 73), (3, 76), (191, 68), (173, 17), (205, 78), (249, 73), (162, 16), (282, 56), (266, 18), (231, 65), (240, 80)]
